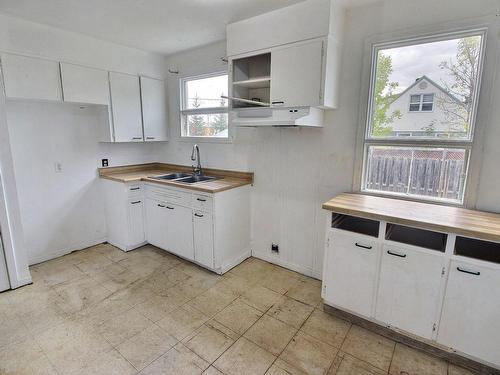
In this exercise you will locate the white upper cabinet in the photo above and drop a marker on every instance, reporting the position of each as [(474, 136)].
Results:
[(296, 75), (126, 107), (154, 109), (409, 289), (31, 78), (84, 85)]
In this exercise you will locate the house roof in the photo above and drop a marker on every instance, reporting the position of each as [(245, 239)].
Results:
[(424, 77)]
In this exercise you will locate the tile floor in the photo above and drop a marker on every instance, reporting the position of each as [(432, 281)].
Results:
[(103, 311)]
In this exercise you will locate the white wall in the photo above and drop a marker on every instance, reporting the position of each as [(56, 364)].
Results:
[(296, 170), (61, 212)]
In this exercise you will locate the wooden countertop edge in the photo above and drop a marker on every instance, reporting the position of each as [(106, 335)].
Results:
[(233, 179), (395, 219)]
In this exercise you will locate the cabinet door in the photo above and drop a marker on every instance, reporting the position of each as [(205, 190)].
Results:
[(296, 75), (469, 322), (154, 109), (179, 231), (409, 290), (156, 219), (136, 222), (351, 272), (84, 85), (126, 107), (31, 78), (203, 238)]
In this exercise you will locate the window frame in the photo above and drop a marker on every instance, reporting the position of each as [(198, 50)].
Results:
[(183, 111), (421, 103), (436, 142)]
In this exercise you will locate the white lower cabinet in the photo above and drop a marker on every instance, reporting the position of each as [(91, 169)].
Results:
[(350, 277), (136, 221), (409, 289), (203, 238), (470, 320), (179, 231), (155, 222)]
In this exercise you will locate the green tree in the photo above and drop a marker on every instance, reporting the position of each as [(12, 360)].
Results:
[(219, 122), (382, 97), (464, 72), (196, 123)]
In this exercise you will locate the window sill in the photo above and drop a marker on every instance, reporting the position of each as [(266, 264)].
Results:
[(413, 198), (206, 140)]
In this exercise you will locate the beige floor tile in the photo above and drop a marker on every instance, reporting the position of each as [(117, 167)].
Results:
[(270, 334), (307, 291), (157, 307), (102, 311), (327, 328), (109, 363), (179, 361), (238, 316), (456, 370), (115, 277), (212, 371), (309, 354), (243, 358), (56, 272), (414, 362), (161, 280), (281, 367), (94, 264), (141, 265), (280, 279), (195, 271), (24, 358), (253, 269), (122, 327), (143, 348), (135, 293), (79, 294), (182, 322), (290, 311), (37, 321), (261, 298), (238, 284), (210, 340), (369, 347), (345, 364), (12, 329), (212, 301), (194, 286), (114, 253)]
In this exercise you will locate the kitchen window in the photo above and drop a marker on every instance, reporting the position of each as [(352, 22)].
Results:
[(421, 117), (204, 113)]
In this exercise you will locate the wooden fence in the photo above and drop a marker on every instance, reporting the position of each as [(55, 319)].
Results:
[(433, 173)]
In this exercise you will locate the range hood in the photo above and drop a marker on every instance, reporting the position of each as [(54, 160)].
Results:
[(278, 116)]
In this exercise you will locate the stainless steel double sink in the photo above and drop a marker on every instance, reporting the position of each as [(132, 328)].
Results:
[(184, 178)]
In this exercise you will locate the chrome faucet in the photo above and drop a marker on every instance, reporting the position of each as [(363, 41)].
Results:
[(195, 156)]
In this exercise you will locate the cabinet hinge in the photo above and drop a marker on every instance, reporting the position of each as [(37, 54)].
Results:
[(324, 288), (434, 327), (328, 242), (443, 271)]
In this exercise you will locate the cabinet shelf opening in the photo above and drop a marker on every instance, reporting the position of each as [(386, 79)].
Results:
[(478, 249), (356, 224), (416, 237)]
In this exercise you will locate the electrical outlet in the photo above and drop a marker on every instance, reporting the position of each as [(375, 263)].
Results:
[(58, 167), (105, 162), (275, 248)]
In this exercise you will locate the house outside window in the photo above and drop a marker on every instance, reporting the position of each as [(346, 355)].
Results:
[(204, 113), (420, 124)]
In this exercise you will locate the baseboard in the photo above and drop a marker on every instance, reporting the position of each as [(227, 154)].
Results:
[(69, 249), (415, 343), (275, 260), (234, 262)]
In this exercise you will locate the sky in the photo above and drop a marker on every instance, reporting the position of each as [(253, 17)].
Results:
[(208, 90), (412, 62)]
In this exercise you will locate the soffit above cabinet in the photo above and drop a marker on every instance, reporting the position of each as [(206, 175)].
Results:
[(306, 20)]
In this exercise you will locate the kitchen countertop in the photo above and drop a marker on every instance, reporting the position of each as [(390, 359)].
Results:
[(143, 172), (461, 221)]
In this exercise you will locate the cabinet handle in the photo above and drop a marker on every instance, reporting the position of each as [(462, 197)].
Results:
[(133, 138), (364, 246), (475, 273), (135, 202), (135, 188), (170, 208), (278, 102), (201, 200), (198, 215), (150, 137), (161, 205), (396, 254)]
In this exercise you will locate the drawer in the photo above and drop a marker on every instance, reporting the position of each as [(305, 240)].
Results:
[(134, 189), (168, 195), (202, 202)]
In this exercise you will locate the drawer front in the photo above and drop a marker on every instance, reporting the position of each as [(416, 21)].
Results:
[(168, 195), (202, 202), (134, 189)]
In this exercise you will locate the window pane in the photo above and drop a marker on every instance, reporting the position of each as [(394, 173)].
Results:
[(413, 108), (205, 125), (416, 171), (427, 107), (206, 92), (444, 73)]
